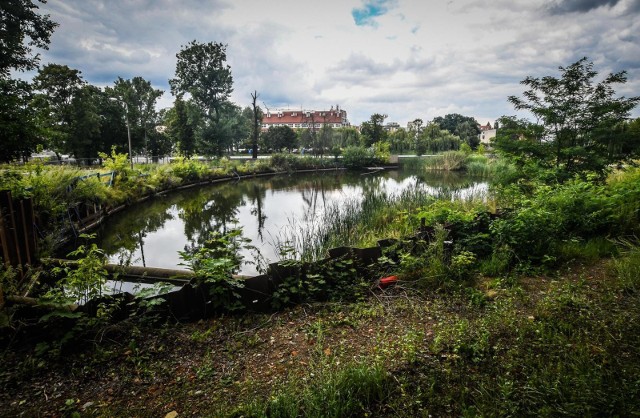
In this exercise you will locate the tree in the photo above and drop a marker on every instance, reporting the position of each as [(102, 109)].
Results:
[(202, 72), (22, 28), (465, 127), (434, 139), (85, 124), (415, 128), (373, 129), (239, 122), (57, 86), (399, 140), (521, 141), (325, 138), (255, 130), (579, 118), (181, 128), (141, 99), (279, 138), (19, 131)]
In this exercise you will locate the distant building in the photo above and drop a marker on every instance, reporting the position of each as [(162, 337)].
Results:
[(392, 126), (486, 133), (305, 119)]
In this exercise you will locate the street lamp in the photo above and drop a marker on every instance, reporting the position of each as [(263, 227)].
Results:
[(126, 118)]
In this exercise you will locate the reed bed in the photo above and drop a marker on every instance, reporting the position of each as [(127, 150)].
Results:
[(362, 222)]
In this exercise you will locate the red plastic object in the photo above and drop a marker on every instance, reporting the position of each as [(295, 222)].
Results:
[(386, 281)]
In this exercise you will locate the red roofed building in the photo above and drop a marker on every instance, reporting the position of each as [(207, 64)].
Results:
[(305, 119)]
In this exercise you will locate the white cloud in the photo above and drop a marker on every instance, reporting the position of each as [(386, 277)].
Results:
[(419, 59)]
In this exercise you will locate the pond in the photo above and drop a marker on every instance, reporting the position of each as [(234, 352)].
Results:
[(152, 233)]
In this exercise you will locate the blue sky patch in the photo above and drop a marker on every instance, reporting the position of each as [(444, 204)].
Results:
[(370, 10)]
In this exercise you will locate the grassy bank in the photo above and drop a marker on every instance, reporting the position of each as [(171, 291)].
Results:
[(565, 344)]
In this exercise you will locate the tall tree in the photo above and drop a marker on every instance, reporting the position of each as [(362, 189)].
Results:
[(465, 127), (521, 141), (21, 29), (85, 124), (19, 130), (201, 71), (182, 125), (141, 99), (434, 139), (278, 138), (579, 117), (255, 131), (373, 129), (57, 86)]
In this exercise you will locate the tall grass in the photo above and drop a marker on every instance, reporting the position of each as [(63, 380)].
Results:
[(448, 161), (362, 222), (352, 390)]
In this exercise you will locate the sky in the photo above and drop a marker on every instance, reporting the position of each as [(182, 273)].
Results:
[(406, 59)]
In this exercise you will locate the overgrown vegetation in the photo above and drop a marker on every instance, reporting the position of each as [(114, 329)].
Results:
[(521, 303)]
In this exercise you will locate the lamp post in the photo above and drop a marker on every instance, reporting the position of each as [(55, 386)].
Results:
[(126, 119)]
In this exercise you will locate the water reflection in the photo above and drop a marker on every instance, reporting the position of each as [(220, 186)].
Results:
[(153, 232)]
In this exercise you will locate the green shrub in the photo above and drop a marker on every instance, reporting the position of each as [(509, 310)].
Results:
[(214, 264), (284, 162), (189, 170), (358, 157)]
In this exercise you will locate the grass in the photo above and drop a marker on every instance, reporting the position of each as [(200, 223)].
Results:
[(566, 344), (349, 390), (362, 222)]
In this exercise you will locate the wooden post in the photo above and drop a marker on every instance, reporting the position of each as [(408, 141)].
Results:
[(9, 228)]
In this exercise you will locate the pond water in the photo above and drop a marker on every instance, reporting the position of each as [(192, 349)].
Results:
[(152, 233)]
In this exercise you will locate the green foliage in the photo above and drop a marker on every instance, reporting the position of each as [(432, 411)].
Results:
[(447, 161), (355, 157), (381, 151), (373, 130), (84, 281), (22, 28), (463, 340), (350, 390), (626, 268), (578, 133), (214, 265), (9, 279), (188, 170), (201, 71), (117, 162), (335, 280), (433, 265), (18, 121), (285, 162), (464, 127), (278, 138)]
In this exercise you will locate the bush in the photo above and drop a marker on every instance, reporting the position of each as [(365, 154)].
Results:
[(359, 157)]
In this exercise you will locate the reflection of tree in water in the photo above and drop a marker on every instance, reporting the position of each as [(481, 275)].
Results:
[(315, 190), (256, 194), (210, 209), (128, 229)]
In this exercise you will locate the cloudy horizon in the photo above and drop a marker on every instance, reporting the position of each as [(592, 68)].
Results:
[(406, 59)]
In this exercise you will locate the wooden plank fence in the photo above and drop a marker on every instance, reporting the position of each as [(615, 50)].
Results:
[(18, 241)]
